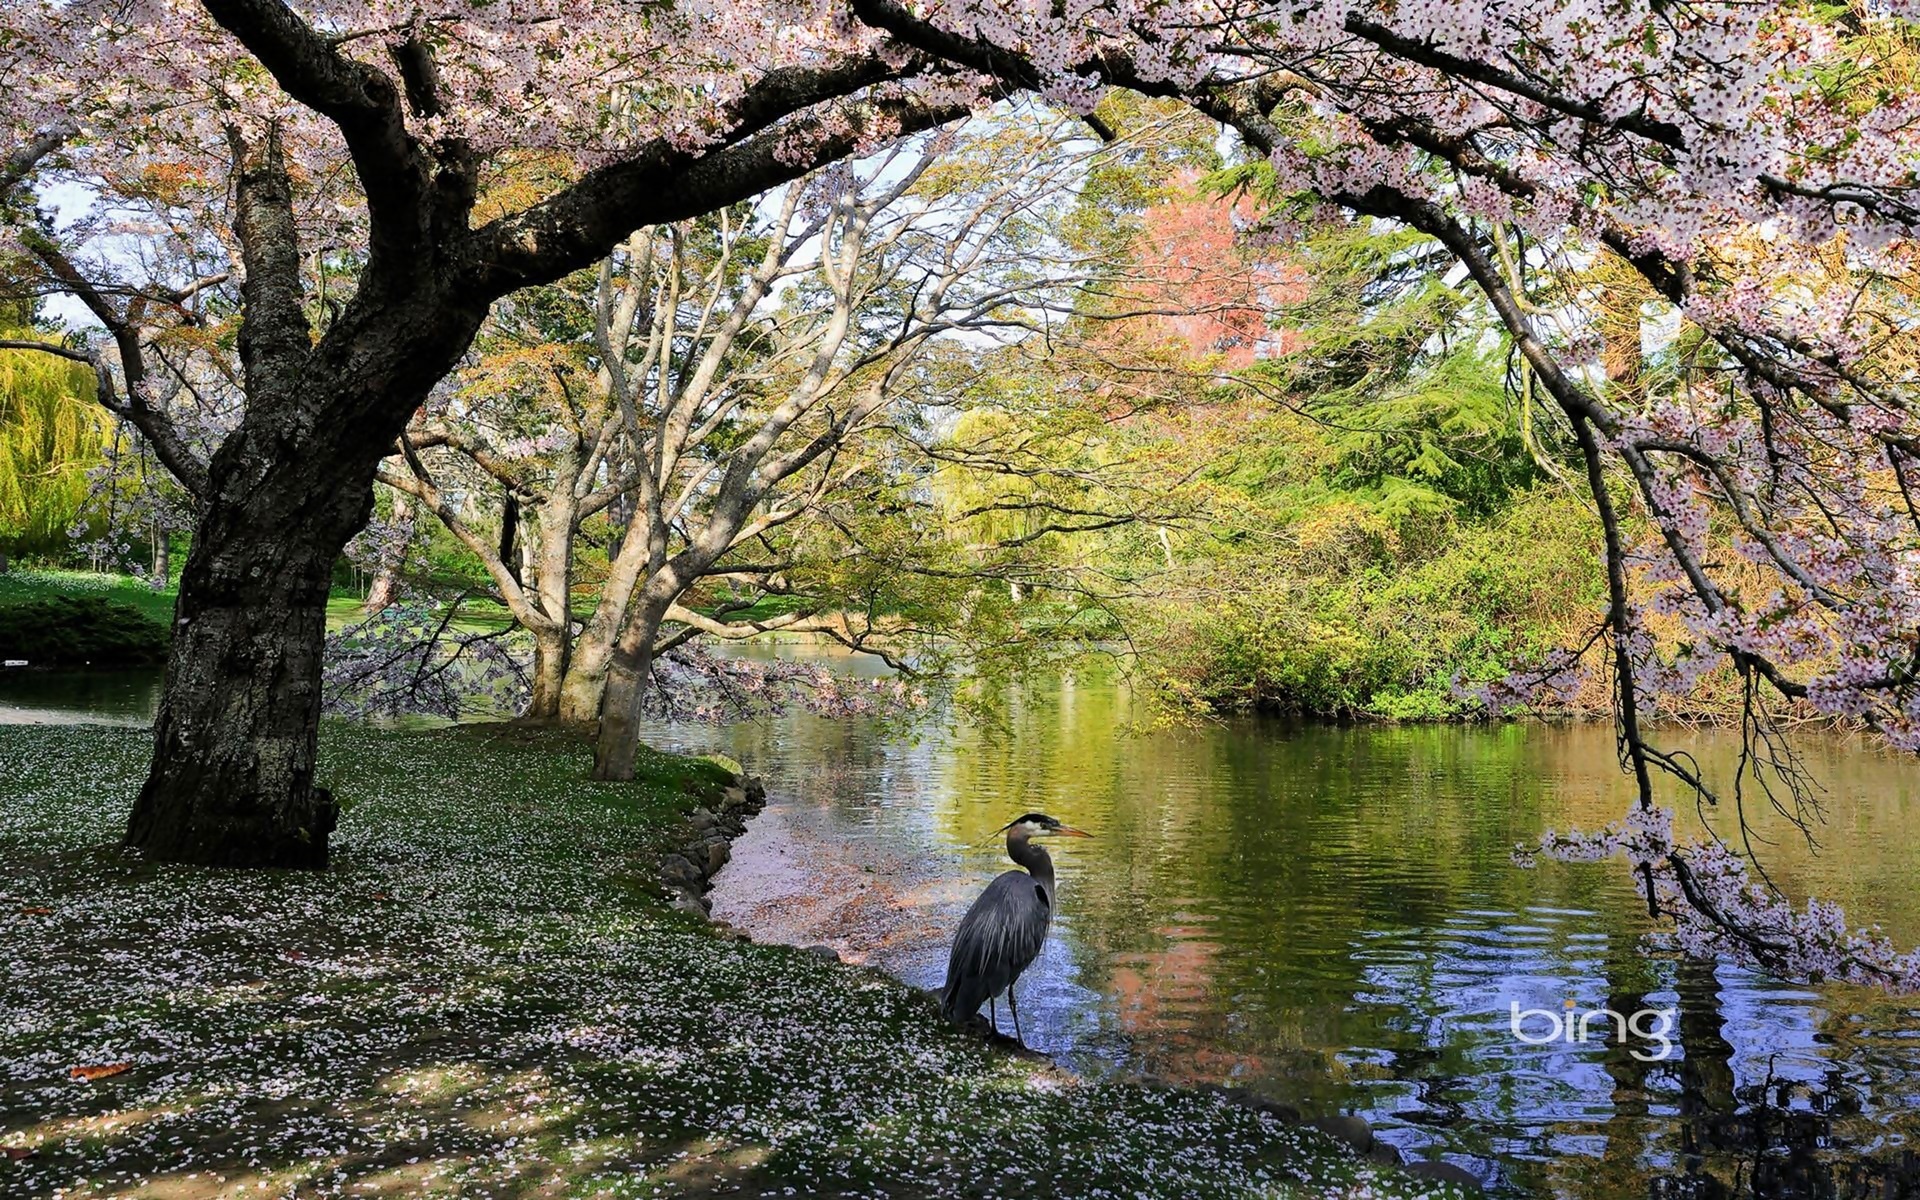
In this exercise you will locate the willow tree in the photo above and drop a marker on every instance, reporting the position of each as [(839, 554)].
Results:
[(51, 434)]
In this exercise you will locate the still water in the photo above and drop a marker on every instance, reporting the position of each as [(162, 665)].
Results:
[(1331, 916)]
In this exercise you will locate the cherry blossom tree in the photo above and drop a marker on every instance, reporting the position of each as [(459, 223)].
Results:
[(1754, 166), (328, 173), (1674, 138)]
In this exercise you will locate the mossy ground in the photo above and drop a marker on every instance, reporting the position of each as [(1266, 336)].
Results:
[(486, 996)]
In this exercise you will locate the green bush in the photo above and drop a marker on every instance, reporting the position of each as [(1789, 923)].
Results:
[(1366, 635), (71, 631)]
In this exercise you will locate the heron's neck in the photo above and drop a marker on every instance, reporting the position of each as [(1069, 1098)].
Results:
[(1035, 859)]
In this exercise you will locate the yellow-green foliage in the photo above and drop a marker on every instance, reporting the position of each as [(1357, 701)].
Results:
[(1351, 619), (51, 432)]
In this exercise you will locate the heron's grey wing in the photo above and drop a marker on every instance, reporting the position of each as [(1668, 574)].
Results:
[(998, 938)]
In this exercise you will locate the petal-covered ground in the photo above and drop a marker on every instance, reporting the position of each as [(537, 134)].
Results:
[(487, 996)]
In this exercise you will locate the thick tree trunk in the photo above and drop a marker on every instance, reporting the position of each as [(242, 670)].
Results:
[(627, 676), (232, 781), (586, 678), (582, 695), (619, 742)]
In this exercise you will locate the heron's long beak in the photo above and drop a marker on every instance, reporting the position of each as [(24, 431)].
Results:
[(1070, 831)]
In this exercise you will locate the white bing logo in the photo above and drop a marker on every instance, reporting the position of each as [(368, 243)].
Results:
[(1543, 1026)]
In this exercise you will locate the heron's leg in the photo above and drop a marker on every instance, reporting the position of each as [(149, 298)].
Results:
[(993, 1014), (1017, 1035)]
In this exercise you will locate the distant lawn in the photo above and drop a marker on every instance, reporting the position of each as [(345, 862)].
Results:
[(478, 615), (487, 996), (77, 618), (343, 608), (20, 585)]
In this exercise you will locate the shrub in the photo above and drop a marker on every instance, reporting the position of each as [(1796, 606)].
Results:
[(80, 631), (1377, 633)]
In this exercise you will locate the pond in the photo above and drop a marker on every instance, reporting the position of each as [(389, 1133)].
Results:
[(35, 697), (1331, 915)]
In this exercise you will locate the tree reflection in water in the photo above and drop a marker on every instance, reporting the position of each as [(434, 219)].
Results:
[(1332, 916)]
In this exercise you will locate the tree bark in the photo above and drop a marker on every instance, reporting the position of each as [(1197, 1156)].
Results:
[(509, 537), (162, 556), (235, 740), (552, 571), (381, 592), (585, 683), (232, 781), (385, 588), (627, 674), (549, 673), (591, 659), (584, 690)]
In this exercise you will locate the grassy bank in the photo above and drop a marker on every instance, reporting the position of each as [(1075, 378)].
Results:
[(72, 601), (24, 586), (1358, 616), (74, 619), (487, 996)]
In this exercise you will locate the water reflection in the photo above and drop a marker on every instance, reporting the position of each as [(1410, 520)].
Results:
[(1331, 916), (36, 697)]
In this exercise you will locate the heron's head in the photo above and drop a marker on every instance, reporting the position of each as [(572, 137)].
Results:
[(1040, 825)]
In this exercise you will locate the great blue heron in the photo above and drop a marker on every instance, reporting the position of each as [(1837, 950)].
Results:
[(1002, 933)]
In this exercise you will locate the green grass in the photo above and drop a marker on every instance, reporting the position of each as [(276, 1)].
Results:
[(20, 585), (488, 996), (343, 608), (763, 609), (478, 615), (79, 631), (74, 618)]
